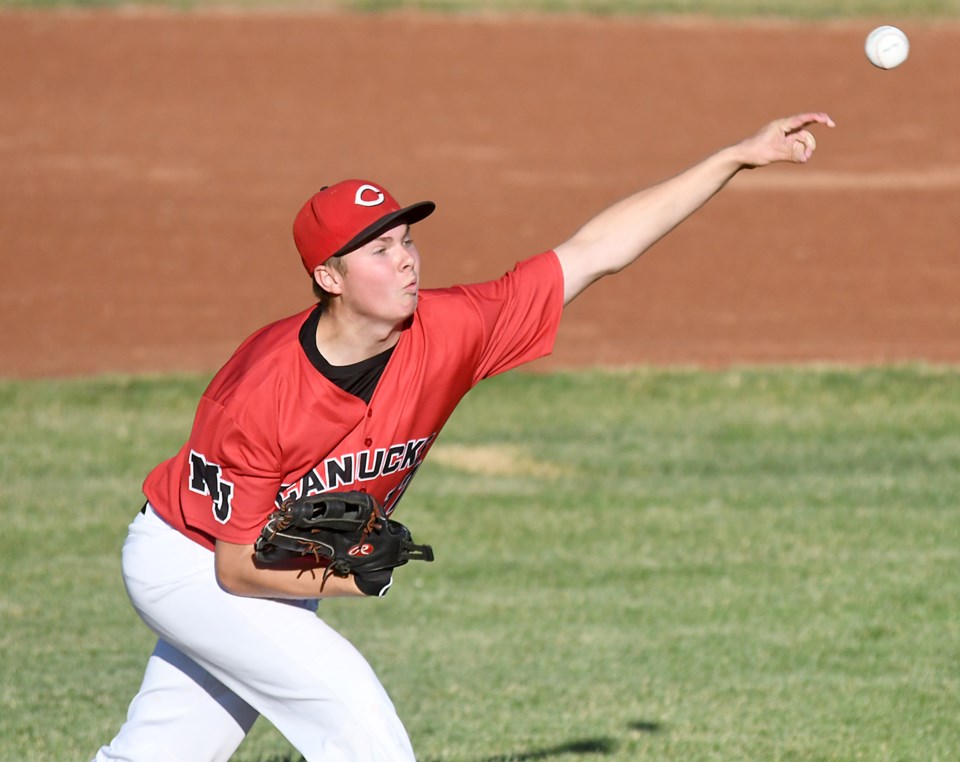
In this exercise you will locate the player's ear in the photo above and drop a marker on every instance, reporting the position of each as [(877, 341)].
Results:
[(329, 279)]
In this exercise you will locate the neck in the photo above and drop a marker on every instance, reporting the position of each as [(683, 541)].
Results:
[(344, 342)]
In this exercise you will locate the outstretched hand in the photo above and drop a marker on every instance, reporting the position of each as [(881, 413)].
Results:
[(786, 139)]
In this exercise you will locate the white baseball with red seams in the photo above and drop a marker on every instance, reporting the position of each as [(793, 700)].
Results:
[(887, 47)]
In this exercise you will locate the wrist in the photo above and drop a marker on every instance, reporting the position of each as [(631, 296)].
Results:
[(734, 158), (374, 583)]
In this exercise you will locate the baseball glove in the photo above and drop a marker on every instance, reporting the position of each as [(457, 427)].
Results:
[(348, 532)]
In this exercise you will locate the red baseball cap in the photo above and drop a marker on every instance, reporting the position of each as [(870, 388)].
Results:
[(340, 218)]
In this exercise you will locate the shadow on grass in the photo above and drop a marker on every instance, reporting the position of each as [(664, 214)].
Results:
[(645, 726), (585, 746)]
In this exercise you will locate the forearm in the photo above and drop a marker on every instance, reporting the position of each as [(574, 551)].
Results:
[(238, 573)]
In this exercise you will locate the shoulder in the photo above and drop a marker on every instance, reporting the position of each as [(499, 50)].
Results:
[(470, 319), (266, 355)]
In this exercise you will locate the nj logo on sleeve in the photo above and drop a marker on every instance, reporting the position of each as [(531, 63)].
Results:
[(207, 479)]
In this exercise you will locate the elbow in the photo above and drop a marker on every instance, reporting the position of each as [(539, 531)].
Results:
[(230, 581), (584, 261), (231, 569)]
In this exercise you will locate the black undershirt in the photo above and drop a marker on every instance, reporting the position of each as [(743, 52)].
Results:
[(359, 379)]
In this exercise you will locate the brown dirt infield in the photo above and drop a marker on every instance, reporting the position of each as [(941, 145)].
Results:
[(152, 164)]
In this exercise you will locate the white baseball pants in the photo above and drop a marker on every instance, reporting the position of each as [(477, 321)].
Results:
[(222, 660)]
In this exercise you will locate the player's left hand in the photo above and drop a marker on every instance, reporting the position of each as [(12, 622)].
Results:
[(787, 139), (346, 532)]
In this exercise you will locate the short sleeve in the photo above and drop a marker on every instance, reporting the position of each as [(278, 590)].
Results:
[(232, 478), (519, 314)]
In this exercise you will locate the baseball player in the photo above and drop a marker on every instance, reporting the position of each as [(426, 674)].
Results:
[(349, 394)]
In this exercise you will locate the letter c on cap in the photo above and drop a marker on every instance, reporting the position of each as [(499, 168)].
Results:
[(375, 201)]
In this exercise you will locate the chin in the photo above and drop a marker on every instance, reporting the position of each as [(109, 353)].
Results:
[(403, 315)]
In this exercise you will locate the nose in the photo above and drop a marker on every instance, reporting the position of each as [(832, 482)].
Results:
[(408, 258)]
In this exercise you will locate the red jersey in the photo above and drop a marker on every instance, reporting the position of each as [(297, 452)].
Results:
[(270, 425)]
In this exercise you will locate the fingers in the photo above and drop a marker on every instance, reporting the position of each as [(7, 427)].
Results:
[(798, 121), (801, 141), (803, 146)]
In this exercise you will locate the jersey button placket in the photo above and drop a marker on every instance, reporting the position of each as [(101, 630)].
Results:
[(367, 441)]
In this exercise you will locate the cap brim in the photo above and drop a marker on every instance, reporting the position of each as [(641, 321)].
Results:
[(406, 216)]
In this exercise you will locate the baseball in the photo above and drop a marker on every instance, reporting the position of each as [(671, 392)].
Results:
[(887, 47)]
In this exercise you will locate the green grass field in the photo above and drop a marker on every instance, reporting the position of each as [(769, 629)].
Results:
[(636, 565)]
